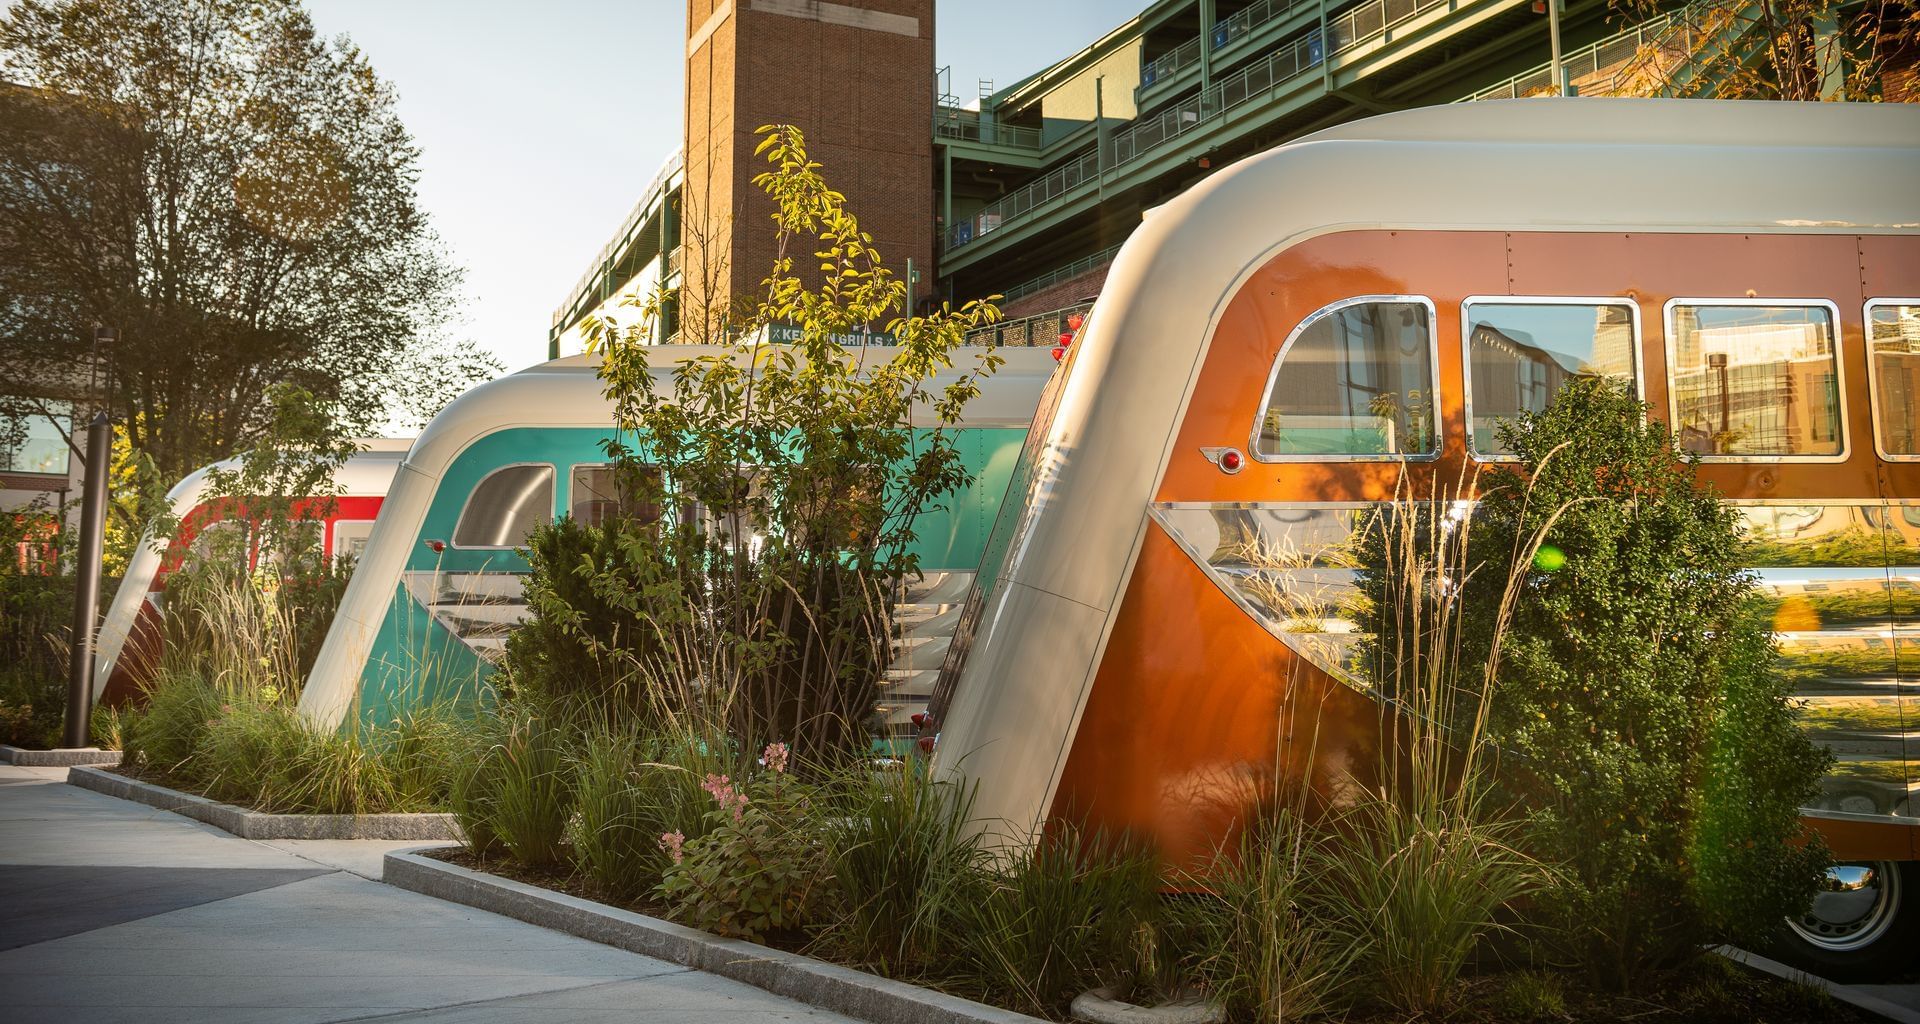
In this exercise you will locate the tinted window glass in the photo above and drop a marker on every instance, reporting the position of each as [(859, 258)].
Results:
[(1893, 343), (1355, 381), (1521, 354), (1755, 380), (33, 443), (505, 507), (597, 497)]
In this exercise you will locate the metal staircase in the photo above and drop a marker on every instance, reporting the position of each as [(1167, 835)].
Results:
[(1684, 52)]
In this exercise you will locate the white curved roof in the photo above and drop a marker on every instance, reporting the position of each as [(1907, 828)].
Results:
[(367, 473)]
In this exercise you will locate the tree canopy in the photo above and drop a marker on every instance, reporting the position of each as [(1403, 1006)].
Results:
[(233, 194)]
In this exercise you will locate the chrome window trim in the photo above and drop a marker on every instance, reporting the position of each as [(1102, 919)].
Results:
[(1273, 377), (1839, 377), (553, 492), (1466, 350), (1873, 389)]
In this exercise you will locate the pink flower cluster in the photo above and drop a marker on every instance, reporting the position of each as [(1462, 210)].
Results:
[(775, 757), (672, 842), (721, 789)]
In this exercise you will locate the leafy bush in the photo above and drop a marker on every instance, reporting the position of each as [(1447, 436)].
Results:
[(757, 869), (904, 852), (1058, 918), (33, 707), (1619, 663)]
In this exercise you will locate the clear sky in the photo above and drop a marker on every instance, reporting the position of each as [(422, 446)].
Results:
[(541, 123)]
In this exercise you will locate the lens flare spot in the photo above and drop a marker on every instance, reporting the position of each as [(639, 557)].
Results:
[(1549, 559)]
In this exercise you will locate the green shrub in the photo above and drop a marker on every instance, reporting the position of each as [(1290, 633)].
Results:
[(1525, 997), (1058, 918), (759, 868), (1754, 860), (1614, 671), (903, 854), (33, 707)]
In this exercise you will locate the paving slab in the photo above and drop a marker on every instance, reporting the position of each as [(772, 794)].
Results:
[(120, 912)]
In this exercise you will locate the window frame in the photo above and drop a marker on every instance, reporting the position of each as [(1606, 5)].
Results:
[(1873, 381), (553, 495), (1466, 352), (333, 545), (1839, 377), (574, 467), (1280, 358)]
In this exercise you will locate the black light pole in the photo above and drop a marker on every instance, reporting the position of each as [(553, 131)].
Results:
[(86, 589)]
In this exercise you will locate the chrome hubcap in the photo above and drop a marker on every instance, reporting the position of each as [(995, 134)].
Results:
[(1854, 908)]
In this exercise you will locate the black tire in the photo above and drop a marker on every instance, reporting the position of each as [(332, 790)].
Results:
[(1867, 931)]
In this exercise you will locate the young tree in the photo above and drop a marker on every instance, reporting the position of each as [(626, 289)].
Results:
[(236, 197), (1800, 49), (774, 489)]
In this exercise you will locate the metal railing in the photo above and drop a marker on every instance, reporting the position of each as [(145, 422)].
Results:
[(1067, 273), (1289, 60), (1637, 61), (965, 125), (1375, 18), (1230, 29), (1351, 29), (648, 199), (1028, 331)]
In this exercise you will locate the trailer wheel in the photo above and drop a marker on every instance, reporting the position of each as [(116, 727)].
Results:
[(1863, 923)]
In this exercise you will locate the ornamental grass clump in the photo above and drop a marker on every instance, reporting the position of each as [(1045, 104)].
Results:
[(904, 853), (630, 789), (1058, 917)]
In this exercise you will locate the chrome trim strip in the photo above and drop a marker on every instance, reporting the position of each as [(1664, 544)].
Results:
[(553, 494)]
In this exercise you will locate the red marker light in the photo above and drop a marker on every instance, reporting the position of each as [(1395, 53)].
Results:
[(1074, 322), (436, 546), (919, 720), (1059, 352), (925, 743), (1230, 461)]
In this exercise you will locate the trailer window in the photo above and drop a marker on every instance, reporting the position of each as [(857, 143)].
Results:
[(505, 507), (1520, 354), (350, 537), (1755, 379), (1893, 362), (598, 496), (1354, 381)]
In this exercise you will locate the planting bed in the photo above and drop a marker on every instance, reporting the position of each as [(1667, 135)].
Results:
[(258, 825), (809, 980), (1711, 991)]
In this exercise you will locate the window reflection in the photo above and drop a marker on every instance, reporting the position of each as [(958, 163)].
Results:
[(505, 507), (1755, 380), (1893, 344), (1521, 354), (1355, 381), (598, 496)]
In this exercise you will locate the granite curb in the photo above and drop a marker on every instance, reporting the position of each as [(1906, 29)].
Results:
[(259, 825), (65, 757), (1845, 993), (811, 981)]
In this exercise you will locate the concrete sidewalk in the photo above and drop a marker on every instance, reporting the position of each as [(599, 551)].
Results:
[(112, 911)]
